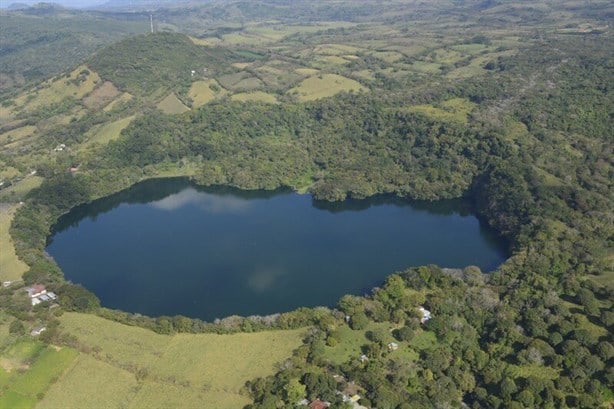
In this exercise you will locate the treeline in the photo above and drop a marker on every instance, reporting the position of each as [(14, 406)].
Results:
[(481, 357), (536, 333)]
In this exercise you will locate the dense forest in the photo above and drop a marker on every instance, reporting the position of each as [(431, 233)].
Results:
[(531, 148)]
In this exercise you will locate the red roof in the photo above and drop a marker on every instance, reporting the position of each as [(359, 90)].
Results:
[(318, 404), (36, 289)]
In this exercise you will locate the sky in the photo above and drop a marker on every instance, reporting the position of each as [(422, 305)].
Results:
[(66, 3)]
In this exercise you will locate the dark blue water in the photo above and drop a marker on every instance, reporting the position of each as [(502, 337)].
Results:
[(166, 247)]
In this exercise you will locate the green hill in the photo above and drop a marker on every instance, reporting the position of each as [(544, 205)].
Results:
[(147, 63)]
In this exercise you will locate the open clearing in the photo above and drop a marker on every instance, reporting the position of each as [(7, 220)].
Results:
[(255, 96), (19, 190), (172, 105), (88, 381), (101, 96), (202, 92), (452, 110), (187, 370), (323, 86), (110, 131), (16, 134), (125, 97), (23, 386), (79, 83), (11, 268)]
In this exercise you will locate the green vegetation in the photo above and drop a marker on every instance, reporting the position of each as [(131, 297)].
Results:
[(147, 369), (11, 268), (516, 117), (172, 105), (323, 86), (30, 368)]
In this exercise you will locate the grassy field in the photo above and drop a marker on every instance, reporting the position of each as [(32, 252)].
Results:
[(86, 382), (109, 132), (35, 368), (172, 105), (79, 83), (16, 134), (125, 97), (255, 96), (202, 92), (11, 268), (19, 190), (202, 370), (323, 86), (453, 110)]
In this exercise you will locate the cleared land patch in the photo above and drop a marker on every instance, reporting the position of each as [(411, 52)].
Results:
[(23, 387), (454, 110), (187, 370), (202, 92), (125, 97), (11, 267), (255, 96), (79, 83), (110, 131), (87, 382), (17, 134), (172, 105), (323, 86), (101, 96), (19, 190)]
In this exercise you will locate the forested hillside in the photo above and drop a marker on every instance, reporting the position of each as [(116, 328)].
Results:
[(507, 105)]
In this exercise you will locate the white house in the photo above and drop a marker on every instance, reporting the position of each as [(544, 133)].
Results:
[(426, 315), (393, 346)]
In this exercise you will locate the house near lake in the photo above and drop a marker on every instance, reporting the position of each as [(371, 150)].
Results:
[(38, 294)]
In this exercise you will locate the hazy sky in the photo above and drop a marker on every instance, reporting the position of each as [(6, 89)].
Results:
[(67, 3)]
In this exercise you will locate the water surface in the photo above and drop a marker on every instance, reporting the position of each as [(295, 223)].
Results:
[(167, 247)]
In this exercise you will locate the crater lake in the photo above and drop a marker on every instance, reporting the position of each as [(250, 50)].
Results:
[(169, 247)]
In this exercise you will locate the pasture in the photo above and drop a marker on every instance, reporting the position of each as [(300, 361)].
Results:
[(172, 105), (11, 267), (108, 132), (202, 92), (139, 368), (323, 86), (255, 96), (19, 190), (28, 369)]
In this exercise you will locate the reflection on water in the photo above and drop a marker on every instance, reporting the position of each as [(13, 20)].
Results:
[(167, 247), (207, 202)]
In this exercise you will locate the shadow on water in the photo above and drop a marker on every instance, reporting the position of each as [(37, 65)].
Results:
[(148, 191)]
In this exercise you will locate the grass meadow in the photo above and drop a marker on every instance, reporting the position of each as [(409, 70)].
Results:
[(11, 268), (141, 369)]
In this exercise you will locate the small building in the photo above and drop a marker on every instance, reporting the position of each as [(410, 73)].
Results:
[(60, 147), (318, 404), (35, 301), (363, 358), (36, 290), (73, 169), (426, 315), (38, 330), (43, 297), (6, 284), (393, 346), (52, 295)]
